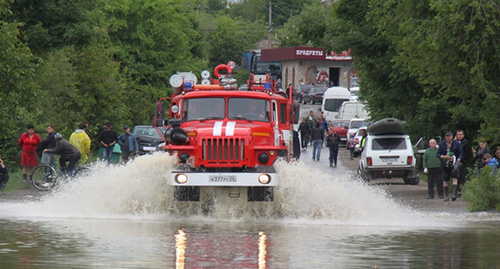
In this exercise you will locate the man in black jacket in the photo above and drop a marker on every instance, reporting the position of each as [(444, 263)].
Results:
[(47, 143), (466, 156), (68, 152), (108, 139)]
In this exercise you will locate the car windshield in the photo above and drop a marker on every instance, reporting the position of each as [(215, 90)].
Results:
[(334, 104), (357, 124), (249, 109), (318, 90), (389, 143), (340, 123), (148, 131), (304, 88), (204, 108)]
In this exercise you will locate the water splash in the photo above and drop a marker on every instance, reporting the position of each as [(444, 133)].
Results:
[(139, 190)]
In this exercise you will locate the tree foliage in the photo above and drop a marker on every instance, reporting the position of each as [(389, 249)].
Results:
[(432, 63)]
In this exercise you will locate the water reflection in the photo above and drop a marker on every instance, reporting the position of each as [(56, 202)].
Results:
[(120, 217), (220, 249), (262, 250), (180, 249)]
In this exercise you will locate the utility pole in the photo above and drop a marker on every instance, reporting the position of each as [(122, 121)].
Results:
[(270, 23)]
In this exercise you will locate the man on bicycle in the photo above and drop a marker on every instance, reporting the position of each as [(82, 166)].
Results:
[(68, 152)]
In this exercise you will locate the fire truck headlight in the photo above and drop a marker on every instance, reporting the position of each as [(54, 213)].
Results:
[(264, 178), (263, 158), (181, 178), (184, 157)]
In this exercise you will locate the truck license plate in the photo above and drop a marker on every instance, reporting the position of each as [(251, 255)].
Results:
[(222, 178)]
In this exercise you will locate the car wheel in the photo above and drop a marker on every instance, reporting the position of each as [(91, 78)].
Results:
[(363, 174), (412, 180)]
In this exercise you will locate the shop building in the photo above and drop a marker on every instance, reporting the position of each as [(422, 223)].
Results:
[(309, 65)]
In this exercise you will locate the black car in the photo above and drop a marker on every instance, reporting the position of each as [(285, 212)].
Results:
[(302, 90), (315, 95), (148, 138)]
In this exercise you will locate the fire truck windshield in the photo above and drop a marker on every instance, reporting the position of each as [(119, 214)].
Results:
[(249, 109), (203, 109)]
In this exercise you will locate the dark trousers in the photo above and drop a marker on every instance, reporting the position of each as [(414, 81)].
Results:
[(303, 140), (71, 165), (334, 152), (462, 169), (3, 181), (434, 177)]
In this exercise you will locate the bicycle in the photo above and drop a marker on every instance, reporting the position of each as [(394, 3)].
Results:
[(45, 177)]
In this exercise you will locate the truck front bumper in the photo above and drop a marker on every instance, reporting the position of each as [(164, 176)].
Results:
[(223, 179)]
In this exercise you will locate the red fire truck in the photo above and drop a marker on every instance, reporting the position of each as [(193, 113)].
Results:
[(226, 140)]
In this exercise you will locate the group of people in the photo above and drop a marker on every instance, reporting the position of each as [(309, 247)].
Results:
[(71, 152), (447, 162), (313, 131)]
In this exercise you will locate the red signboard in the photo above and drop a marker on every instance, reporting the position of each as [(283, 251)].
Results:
[(302, 53)]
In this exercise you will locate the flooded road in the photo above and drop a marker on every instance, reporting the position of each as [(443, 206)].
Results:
[(322, 217)]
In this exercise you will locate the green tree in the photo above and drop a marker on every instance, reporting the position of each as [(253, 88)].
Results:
[(18, 95), (153, 40), (52, 24), (230, 38), (450, 48)]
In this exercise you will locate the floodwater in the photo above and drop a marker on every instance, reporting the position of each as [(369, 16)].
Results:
[(124, 217)]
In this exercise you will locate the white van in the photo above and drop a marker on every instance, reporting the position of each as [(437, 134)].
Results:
[(352, 109), (332, 100)]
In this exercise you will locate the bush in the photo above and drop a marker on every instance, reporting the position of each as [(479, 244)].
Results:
[(483, 191)]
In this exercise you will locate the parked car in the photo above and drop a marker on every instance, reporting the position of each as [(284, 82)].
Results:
[(148, 138), (315, 95), (388, 152), (356, 124), (302, 90), (386, 156), (341, 127)]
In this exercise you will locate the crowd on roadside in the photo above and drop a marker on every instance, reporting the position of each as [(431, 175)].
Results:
[(316, 132), (71, 152), (448, 162)]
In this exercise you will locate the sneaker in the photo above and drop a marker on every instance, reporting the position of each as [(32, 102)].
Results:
[(313, 159), (453, 198), (446, 199), (45, 185), (430, 197)]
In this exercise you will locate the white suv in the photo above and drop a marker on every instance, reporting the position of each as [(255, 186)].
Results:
[(388, 155)]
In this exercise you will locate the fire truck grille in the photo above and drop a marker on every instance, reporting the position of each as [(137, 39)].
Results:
[(223, 149)]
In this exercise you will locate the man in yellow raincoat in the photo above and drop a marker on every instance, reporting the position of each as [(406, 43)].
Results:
[(81, 141)]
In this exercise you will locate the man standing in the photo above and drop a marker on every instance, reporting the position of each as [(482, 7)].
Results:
[(128, 144), (450, 153), (81, 141), (311, 122), (108, 140), (48, 143), (466, 155)]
